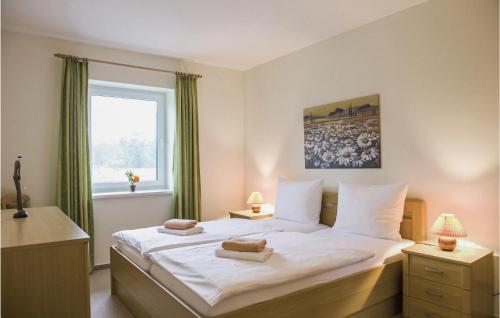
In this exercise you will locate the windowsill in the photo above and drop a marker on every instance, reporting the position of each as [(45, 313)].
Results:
[(128, 194)]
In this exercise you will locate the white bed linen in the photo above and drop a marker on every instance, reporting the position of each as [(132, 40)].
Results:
[(137, 244), (384, 250), (132, 254), (295, 255)]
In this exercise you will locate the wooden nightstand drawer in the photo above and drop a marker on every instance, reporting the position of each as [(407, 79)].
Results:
[(444, 284), (440, 271), (421, 309), (440, 294)]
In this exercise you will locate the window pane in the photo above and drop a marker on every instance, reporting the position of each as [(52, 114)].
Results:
[(123, 138)]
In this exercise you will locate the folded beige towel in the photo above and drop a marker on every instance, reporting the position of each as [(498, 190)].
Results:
[(191, 231), (244, 244), (179, 224), (246, 256)]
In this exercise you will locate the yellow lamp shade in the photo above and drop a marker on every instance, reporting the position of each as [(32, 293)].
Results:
[(448, 225), (255, 198)]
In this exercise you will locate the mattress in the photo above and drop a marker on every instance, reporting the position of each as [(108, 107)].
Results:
[(385, 251), (137, 244), (135, 256)]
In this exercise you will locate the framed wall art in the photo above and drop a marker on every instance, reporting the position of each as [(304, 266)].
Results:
[(343, 134)]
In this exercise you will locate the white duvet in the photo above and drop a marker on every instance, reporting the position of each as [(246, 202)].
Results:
[(295, 256), (148, 240)]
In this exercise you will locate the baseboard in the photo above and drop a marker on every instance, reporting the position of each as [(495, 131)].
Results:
[(101, 266)]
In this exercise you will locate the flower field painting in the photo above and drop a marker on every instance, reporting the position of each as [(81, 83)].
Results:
[(343, 135)]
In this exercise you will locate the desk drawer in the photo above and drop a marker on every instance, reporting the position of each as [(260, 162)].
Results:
[(416, 308), (439, 294), (439, 271)]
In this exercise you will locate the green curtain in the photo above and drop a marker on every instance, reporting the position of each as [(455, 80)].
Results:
[(74, 193), (187, 189)]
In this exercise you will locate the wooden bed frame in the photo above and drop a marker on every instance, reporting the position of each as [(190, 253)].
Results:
[(370, 293)]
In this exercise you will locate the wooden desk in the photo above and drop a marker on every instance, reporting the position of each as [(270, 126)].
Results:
[(44, 265)]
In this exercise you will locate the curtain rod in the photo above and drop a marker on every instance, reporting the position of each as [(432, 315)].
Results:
[(64, 56)]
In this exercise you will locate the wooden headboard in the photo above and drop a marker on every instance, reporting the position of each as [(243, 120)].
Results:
[(414, 222)]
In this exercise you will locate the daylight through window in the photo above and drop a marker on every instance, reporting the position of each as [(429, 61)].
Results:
[(128, 132)]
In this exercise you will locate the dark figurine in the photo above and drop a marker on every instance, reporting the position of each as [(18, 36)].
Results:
[(17, 180)]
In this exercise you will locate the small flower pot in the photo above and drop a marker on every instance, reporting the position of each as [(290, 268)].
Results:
[(132, 188)]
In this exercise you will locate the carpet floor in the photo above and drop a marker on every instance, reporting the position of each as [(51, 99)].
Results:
[(102, 304)]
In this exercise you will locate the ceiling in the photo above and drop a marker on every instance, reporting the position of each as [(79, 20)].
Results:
[(237, 34)]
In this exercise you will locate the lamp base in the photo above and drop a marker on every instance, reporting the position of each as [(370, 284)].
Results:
[(447, 243), (256, 208), (20, 214)]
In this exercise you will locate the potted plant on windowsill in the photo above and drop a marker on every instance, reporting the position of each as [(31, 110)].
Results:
[(132, 180)]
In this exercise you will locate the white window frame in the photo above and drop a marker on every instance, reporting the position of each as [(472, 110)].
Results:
[(163, 97)]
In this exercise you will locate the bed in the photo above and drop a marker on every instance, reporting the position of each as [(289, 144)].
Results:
[(137, 244), (368, 292)]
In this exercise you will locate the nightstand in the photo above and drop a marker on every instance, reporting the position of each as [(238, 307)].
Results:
[(440, 284), (249, 215)]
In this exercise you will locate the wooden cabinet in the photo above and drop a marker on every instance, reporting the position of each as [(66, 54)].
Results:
[(440, 284), (44, 266), (249, 214)]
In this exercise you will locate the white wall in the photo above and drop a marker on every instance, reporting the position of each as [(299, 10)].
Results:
[(31, 81), (439, 97), (221, 139), (496, 265), (112, 215), (435, 67)]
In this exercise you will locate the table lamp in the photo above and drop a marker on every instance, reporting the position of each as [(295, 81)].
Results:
[(256, 199), (447, 227)]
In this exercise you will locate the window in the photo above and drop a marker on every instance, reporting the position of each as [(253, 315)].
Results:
[(128, 131)]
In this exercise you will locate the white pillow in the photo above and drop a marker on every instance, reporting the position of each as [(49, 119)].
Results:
[(371, 210), (299, 201)]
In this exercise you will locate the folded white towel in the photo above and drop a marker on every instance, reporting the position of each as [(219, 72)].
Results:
[(246, 256), (191, 231)]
